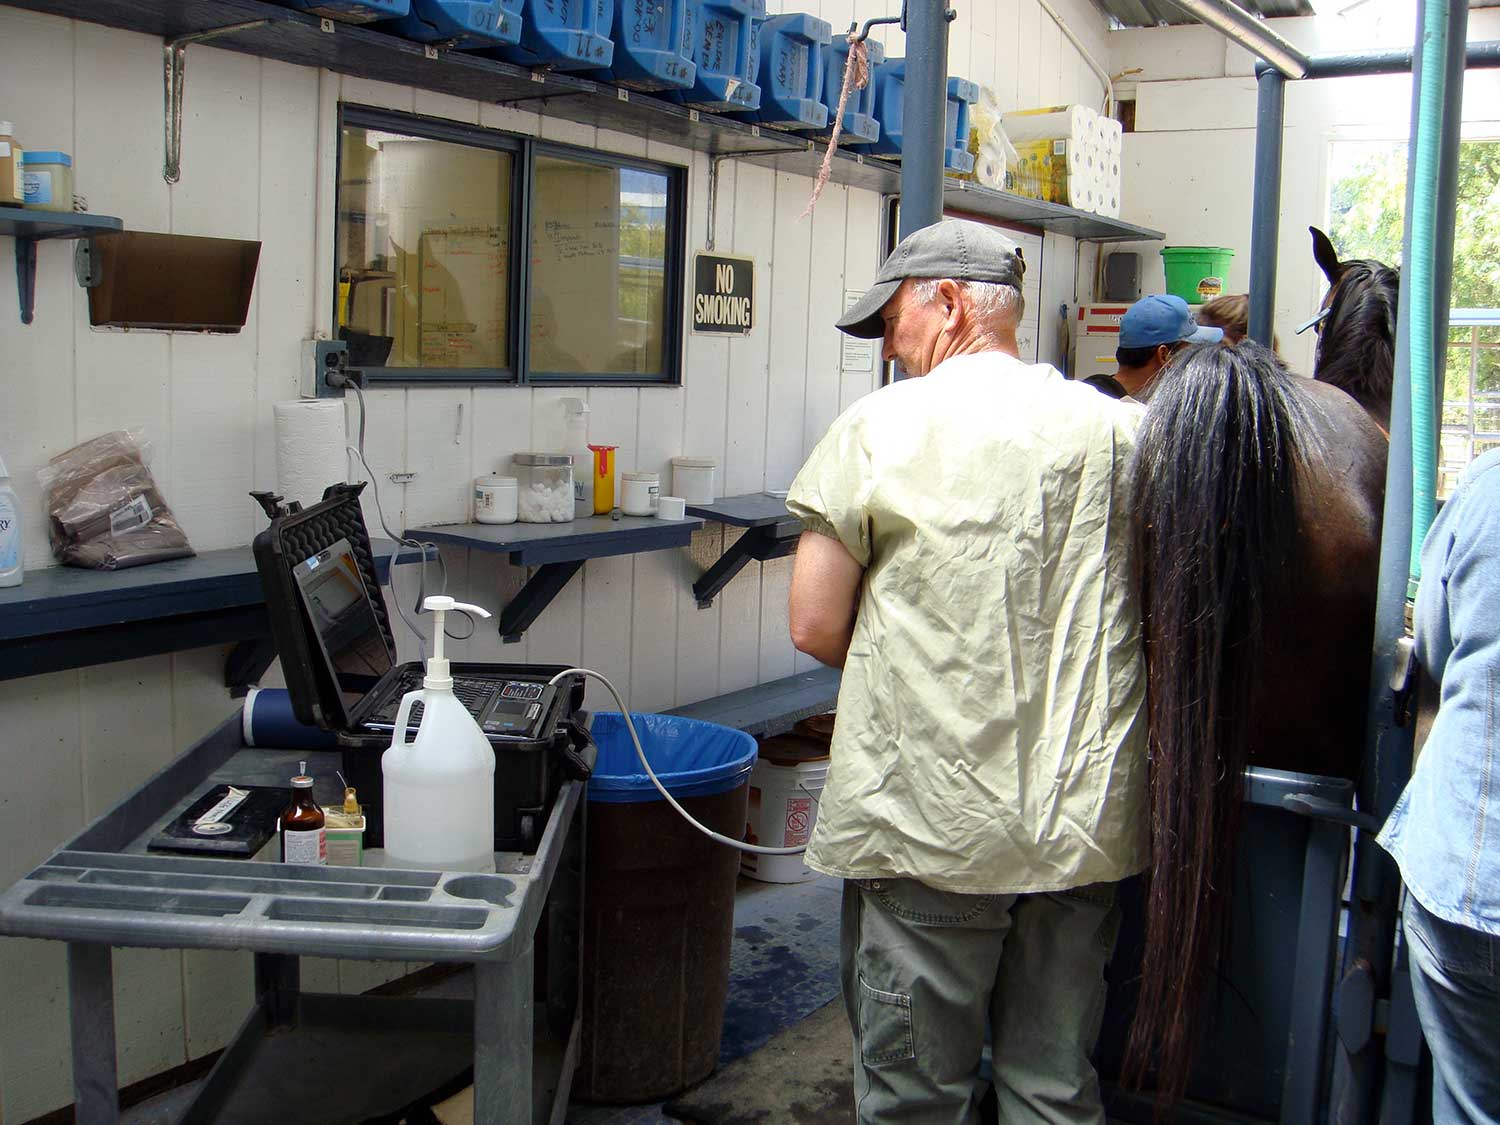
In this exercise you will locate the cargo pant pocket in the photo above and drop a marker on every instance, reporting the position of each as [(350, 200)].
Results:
[(884, 1026)]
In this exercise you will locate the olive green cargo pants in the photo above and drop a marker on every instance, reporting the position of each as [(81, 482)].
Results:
[(922, 971)]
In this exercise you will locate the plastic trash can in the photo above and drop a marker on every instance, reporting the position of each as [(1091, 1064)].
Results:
[(1196, 273), (658, 906), (860, 126)]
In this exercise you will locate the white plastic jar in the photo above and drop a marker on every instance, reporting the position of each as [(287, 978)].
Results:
[(693, 479), (544, 487), (639, 492), (496, 499)]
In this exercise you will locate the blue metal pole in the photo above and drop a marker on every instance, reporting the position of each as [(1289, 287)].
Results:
[(1265, 215), (924, 114)]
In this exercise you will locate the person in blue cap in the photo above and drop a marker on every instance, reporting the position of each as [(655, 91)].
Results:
[(1152, 331)]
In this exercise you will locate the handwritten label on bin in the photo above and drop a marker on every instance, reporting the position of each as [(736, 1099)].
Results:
[(723, 294)]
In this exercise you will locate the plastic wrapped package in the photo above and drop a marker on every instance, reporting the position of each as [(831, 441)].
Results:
[(104, 510)]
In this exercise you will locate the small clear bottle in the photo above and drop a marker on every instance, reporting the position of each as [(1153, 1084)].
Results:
[(302, 825)]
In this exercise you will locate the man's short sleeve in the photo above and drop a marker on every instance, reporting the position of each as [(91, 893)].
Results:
[(830, 493)]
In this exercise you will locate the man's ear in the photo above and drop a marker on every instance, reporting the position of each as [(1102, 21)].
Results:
[(951, 298)]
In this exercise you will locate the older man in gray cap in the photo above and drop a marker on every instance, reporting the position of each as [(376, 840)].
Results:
[(965, 563)]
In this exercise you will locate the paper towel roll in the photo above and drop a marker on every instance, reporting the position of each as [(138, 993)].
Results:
[(1074, 122), (989, 167), (309, 448)]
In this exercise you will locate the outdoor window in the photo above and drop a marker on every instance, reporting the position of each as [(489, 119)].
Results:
[(451, 238)]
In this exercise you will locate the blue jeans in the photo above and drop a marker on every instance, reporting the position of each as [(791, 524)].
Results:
[(1456, 981), (923, 970)]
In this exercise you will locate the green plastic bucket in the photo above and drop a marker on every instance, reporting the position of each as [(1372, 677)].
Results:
[(1196, 273)]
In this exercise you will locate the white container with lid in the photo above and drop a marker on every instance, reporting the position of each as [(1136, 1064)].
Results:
[(639, 492), (693, 479), (495, 499), (47, 179), (544, 487)]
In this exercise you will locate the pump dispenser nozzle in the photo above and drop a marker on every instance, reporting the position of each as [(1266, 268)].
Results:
[(437, 665)]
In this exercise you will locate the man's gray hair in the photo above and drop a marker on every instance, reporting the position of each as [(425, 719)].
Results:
[(994, 302)]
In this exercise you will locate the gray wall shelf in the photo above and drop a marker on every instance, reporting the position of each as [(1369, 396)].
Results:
[(771, 532), (30, 226), (297, 37), (558, 551), (71, 617)]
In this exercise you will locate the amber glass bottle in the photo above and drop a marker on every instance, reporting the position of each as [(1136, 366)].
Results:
[(302, 838)]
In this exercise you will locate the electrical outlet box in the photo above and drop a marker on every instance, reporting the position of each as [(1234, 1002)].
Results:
[(320, 359)]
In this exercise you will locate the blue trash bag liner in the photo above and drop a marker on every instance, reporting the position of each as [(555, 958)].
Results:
[(692, 758)]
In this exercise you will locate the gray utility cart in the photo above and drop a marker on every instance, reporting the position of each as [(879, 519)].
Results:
[(319, 1058)]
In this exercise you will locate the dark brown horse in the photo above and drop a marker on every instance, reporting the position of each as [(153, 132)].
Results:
[(1357, 336), (1257, 535)]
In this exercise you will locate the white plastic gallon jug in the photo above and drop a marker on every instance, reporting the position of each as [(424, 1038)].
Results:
[(439, 788)]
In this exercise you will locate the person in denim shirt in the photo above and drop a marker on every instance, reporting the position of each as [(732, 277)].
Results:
[(1445, 830)]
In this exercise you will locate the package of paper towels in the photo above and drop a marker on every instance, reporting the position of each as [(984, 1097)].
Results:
[(309, 448)]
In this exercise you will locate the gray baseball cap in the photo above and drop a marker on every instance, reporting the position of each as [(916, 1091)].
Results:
[(955, 248)]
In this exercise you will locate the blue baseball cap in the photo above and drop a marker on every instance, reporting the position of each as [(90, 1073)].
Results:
[(1163, 319)]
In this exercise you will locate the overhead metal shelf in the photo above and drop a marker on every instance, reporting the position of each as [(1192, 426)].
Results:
[(306, 40)]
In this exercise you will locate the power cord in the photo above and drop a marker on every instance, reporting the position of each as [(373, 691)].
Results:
[(425, 549), (717, 837)]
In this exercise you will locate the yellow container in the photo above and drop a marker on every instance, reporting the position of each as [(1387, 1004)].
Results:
[(604, 478)]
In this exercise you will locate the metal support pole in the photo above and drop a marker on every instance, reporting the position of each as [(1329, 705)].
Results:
[(91, 1009), (1388, 747), (924, 114), (1447, 192), (503, 1038), (1477, 56), (1265, 214)]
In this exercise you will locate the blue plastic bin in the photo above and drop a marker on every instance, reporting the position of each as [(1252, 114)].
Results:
[(658, 906), (791, 72), (956, 155), (860, 126), (564, 35), (653, 46), (726, 48), (889, 80), (353, 11), (466, 24), (890, 98)]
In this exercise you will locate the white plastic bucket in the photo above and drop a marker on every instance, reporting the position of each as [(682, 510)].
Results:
[(783, 810)]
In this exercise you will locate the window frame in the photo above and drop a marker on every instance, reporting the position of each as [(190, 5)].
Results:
[(524, 150)]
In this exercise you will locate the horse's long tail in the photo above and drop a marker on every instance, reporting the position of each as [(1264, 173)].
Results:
[(1213, 529)]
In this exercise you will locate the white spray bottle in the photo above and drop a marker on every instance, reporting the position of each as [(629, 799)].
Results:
[(576, 442), (11, 564), (440, 788)]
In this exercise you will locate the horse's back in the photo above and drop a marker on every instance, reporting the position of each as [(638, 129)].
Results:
[(1308, 704)]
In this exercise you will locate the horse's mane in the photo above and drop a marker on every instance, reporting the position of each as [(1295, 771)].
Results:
[(1355, 349)]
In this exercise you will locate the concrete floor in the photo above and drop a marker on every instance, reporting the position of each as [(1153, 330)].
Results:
[(783, 967)]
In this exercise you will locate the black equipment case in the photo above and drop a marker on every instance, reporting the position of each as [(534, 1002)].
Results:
[(528, 770)]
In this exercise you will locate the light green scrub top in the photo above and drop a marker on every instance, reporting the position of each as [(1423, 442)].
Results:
[(991, 722)]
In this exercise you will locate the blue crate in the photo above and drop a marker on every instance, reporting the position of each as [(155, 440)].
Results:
[(564, 35), (790, 72), (466, 24), (860, 125), (726, 47), (653, 46)]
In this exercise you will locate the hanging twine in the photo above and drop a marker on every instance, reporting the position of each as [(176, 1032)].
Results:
[(856, 77)]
